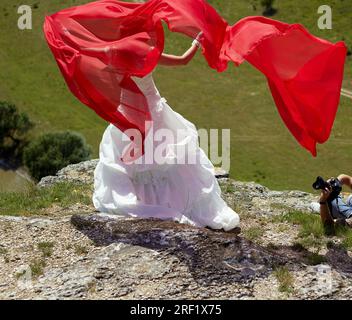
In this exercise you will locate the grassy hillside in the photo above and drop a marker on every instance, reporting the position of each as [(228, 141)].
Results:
[(262, 148)]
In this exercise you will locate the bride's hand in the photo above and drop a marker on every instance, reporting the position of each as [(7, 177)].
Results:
[(196, 42), (199, 36)]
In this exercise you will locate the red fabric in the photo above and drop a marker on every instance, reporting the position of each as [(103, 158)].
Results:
[(304, 72)]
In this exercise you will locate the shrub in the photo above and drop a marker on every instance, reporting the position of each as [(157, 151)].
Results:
[(268, 7), (267, 4), (53, 151), (14, 127)]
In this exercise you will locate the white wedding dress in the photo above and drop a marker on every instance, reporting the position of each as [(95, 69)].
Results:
[(187, 193)]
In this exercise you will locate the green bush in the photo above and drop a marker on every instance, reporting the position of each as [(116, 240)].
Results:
[(14, 127), (267, 4), (53, 151), (268, 7)]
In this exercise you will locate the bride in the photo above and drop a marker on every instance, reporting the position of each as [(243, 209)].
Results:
[(175, 190), (128, 38)]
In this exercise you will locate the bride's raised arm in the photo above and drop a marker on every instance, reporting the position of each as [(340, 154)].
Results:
[(165, 59), (173, 61)]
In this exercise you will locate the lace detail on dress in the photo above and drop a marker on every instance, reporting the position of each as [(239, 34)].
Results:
[(154, 177), (146, 85), (160, 106), (150, 91)]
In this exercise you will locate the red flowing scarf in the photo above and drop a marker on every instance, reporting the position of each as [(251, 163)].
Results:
[(304, 72)]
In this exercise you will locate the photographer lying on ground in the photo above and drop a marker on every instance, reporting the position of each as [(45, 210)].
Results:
[(332, 206)]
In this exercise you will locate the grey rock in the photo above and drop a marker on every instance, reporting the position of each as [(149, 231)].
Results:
[(83, 172), (60, 284), (77, 173), (39, 223), (129, 258), (211, 258), (12, 219), (256, 198)]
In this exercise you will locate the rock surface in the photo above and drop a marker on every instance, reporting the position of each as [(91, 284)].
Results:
[(88, 255), (82, 172)]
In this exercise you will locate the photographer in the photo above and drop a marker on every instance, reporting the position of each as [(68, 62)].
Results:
[(335, 207)]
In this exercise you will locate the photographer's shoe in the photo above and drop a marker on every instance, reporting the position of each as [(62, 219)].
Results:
[(349, 222), (340, 222)]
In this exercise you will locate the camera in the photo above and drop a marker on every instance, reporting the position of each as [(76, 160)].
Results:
[(334, 185)]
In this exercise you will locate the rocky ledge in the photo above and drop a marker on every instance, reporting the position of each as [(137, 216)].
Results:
[(89, 255)]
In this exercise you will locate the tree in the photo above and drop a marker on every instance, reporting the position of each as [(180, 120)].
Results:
[(268, 7), (14, 127), (53, 151)]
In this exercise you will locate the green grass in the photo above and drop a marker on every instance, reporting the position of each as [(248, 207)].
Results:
[(227, 187), (280, 206), (262, 149), (285, 279), (315, 258), (37, 267), (254, 233), (80, 249), (312, 233), (347, 242), (346, 234), (34, 199), (310, 224), (46, 248)]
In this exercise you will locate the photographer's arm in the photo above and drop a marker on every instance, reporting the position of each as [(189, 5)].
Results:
[(325, 215), (345, 180)]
